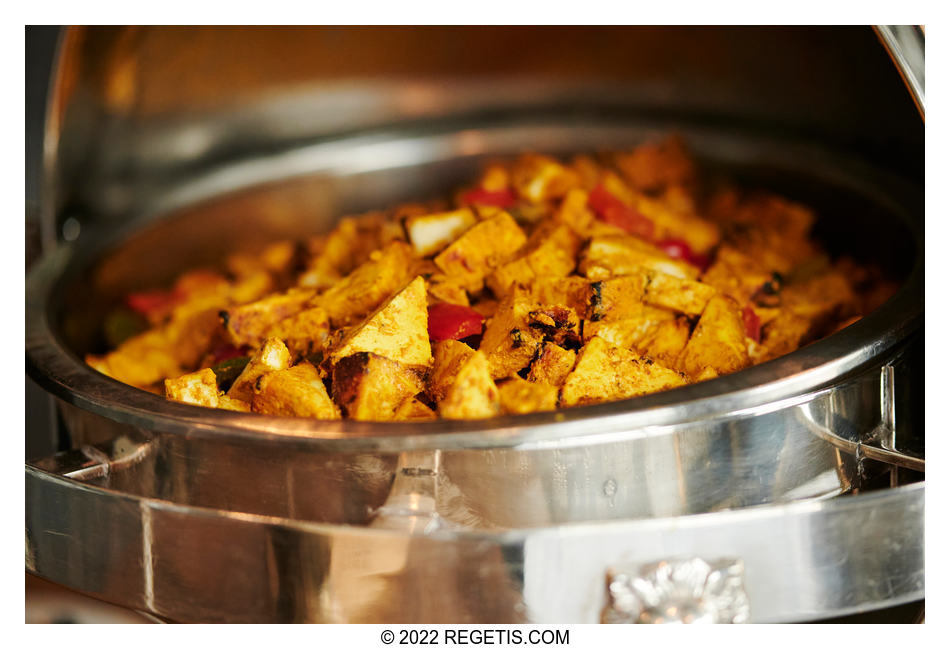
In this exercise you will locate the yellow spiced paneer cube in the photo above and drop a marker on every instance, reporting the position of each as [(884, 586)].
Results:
[(448, 356), (609, 256), (397, 330), (430, 233), (539, 178), (481, 249), (369, 285), (198, 388), (350, 244), (509, 342), (606, 373), (718, 341), (683, 295), (551, 251), (701, 235), (297, 391), (304, 333), (228, 403), (249, 324), (552, 364), (370, 387), (665, 341), (628, 331), (737, 274), (272, 356), (414, 410), (473, 394), (783, 334), (519, 396), (657, 164)]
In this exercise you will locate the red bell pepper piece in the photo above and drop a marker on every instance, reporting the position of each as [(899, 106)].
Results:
[(614, 211), (226, 352), (500, 198), (150, 303), (679, 249), (453, 322), (753, 324)]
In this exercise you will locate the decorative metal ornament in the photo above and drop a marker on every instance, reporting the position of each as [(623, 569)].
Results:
[(685, 591)]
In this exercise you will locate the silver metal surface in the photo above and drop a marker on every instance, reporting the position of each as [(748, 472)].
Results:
[(802, 561), (798, 467), (809, 447), (678, 591), (905, 44)]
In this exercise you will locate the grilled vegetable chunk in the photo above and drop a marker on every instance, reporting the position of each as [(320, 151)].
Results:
[(276, 258), (718, 342), (538, 178), (397, 330), (371, 387), (414, 410), (304, 333), (369, 285), (349, 244), (572, 292), (616, 298), (198, 388), (575, 214), (670, 223), (430, 233), (482, 248), (606, 373), (821, 299), (655, 165), (552, 364), (550, 252), (557, 324), (272, 356), (472, 395), (509, 342), (519, 396), (227, 403), (448, 358), (665, 341), (296, 391), (737, 275), (608, 256), (782, 335), (683, 295), (630, 331), (610, 299), (249, 324), (166, 351)]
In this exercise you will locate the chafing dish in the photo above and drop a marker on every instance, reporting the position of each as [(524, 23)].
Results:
[(798, 483)]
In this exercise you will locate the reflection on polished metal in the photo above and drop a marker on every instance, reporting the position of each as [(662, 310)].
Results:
[(680, 591), (905, 44), (803, 561)]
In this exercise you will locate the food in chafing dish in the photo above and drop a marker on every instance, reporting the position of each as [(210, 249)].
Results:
[(545, 284)]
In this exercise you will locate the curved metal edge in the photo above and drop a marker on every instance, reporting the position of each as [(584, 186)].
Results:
[(58, 370), (51, 130), (803, 561), (905, 46)]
